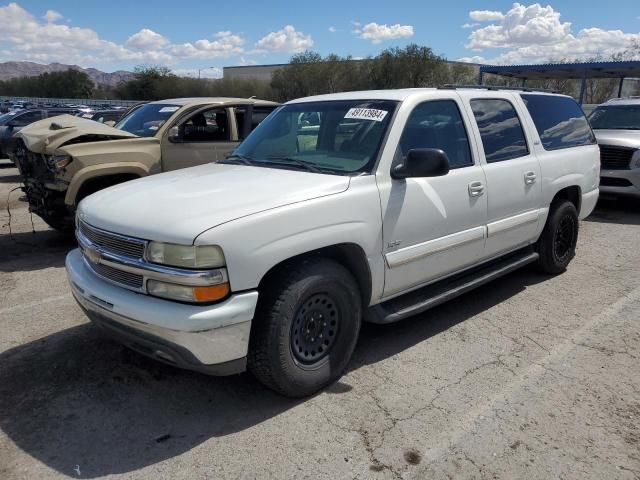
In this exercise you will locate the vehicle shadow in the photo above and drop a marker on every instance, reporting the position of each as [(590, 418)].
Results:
[(75, 398), (624, 211), (27, 251)]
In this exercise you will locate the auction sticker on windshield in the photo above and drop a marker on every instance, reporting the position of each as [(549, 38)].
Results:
[(168, 109), (366, 114)]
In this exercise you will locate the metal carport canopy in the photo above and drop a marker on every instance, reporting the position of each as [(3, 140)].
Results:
[(582, 71)]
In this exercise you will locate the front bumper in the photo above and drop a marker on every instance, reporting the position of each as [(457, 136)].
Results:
[(620, 182), (213, 339)]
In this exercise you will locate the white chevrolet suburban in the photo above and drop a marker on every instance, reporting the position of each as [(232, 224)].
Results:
[(339, 208)]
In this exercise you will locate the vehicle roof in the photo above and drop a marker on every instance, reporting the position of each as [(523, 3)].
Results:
[(402, 94), (214, 100), (623, 101)]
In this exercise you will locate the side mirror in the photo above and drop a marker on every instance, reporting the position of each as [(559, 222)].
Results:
[(174, 134), (422, 162)]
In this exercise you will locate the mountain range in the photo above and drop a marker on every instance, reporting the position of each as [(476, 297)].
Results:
[(9, 70)]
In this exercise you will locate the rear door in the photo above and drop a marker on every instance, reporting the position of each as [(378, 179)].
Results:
[(512, 170)]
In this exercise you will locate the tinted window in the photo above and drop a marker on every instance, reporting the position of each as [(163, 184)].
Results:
[(208, 126), (500, 129), (438, 124), (559, 120), (258, 115), (621, 117)]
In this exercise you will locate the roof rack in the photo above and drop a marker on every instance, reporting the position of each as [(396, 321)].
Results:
[(497, 87)]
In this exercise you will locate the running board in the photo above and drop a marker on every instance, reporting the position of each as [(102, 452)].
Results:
[(432, 295)]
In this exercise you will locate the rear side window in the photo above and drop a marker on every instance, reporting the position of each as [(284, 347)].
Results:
[(559, 120), (500, 129), (438, 124)]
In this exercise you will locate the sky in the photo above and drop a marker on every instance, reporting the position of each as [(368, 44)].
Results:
[(188, 36)]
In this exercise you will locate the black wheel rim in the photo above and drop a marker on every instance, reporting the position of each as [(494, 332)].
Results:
[(564, 238), (315, 329)]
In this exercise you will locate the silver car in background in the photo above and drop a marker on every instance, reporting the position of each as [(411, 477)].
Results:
[(616, 125)]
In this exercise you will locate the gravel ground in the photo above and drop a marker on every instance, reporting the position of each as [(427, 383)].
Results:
[(528, 377)]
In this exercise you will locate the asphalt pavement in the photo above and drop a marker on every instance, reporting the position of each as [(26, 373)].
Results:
[(530, 376)]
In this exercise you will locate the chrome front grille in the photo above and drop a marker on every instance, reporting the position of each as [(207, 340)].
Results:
[(121, 277), (112, 242)]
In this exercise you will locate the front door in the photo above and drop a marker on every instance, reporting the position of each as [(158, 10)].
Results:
[(513, 174), (434, 226), (202, 137)]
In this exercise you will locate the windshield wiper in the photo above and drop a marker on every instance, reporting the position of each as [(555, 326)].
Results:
[(238, 156), (310, 166)]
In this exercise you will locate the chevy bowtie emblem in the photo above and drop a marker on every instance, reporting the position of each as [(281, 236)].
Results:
[(92, 255)]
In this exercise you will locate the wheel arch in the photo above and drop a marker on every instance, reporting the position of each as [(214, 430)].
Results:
[(350, 255), (83, 181), (572, 193)]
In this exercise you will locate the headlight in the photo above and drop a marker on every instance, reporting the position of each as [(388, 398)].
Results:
[(187, 256), (185, 293), (58, 162)]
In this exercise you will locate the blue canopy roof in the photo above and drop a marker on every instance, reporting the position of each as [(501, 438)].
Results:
[(623, 69)]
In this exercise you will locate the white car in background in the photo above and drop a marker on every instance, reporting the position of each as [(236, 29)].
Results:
[(616, 124)]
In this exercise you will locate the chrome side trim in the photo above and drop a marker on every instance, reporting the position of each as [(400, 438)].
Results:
[(148, 271), (510, 223), (420, 250)]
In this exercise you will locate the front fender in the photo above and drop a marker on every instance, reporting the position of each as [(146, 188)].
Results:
[(255, 244), (133, 168)]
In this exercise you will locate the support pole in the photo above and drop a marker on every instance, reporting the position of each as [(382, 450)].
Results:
[(480, 77), (620, 87), (582, 86), (524, 82)]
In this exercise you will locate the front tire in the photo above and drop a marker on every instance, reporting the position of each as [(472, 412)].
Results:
[(557, 243), (306, 327)]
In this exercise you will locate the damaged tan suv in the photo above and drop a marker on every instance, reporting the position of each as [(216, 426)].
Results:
[(66, 158)]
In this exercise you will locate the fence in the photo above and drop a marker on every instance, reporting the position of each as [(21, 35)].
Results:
[(68, 101)]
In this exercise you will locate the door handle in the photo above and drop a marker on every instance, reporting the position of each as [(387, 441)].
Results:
[(530, 178), (476, 189)]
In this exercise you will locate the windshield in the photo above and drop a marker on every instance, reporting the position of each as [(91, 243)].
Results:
[(616, 117), (145, 120), (340, 137)]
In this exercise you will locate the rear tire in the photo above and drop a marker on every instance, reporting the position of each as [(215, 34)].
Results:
[(306, 327), (557, 243)]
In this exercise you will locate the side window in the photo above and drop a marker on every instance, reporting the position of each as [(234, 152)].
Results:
[(308, 129), (500, 129), (438, 124), (559, 120), (257, 116), (208, 126)]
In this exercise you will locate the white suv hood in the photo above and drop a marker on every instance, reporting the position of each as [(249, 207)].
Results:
[(178, 206)]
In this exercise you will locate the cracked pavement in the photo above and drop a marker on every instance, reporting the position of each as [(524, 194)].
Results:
[(528, 377)]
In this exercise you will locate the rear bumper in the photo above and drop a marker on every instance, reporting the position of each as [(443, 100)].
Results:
[(212, 339), (620, 182), (588, 203)]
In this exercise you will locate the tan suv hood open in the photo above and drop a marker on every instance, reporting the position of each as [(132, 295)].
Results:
[(46, 136)]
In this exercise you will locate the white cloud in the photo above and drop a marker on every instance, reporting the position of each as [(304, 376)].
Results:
[(470, 25), (46, 40), (245, 62), (52, 16), (533, 34), (378, 33), (147, 39), (224, 45), (485, 15), (286, 40), (332, 29)]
